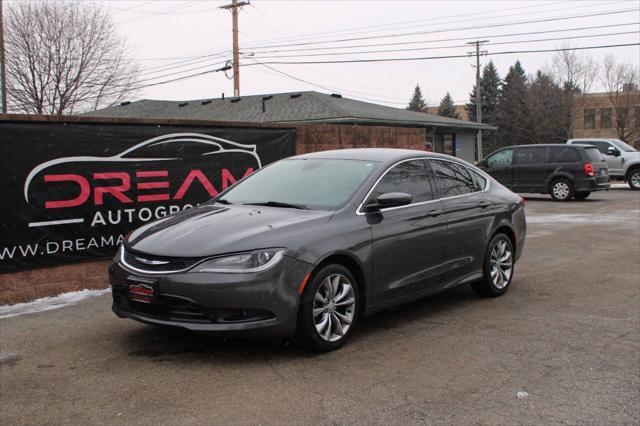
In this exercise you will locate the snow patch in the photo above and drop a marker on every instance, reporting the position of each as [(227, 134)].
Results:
[(49, 303), (583, 218)]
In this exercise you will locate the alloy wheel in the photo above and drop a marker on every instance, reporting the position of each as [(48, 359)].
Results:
[(334, 307), (634, 179), (501, 264), (561, 190)]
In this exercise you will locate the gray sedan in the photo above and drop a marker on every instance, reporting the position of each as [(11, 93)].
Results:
[(310, 245)]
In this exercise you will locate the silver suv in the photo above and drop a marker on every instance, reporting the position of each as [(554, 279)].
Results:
[(623, 160)]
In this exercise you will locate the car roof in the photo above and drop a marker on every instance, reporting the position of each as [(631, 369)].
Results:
[(385, 155)]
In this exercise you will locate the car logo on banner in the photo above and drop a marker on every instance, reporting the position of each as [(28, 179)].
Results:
[(177, 167)]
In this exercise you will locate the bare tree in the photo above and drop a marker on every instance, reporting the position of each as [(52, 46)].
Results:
[(64, 58), (576, 73), (620, 82)]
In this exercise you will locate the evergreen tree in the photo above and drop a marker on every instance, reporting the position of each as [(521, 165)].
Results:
[(417, 102), (547, 110), (512, 115), (447, 108), (490, 93)]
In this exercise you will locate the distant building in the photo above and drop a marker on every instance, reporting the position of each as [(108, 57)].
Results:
[(460, 109), (446, 135), (596, 116)]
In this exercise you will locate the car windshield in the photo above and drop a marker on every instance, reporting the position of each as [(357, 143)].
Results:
[(623, 146), (317, 184)]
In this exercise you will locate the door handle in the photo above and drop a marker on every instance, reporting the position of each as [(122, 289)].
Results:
[(434, 212), (484, 204)]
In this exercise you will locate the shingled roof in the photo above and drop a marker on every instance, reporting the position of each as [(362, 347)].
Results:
[(294, 107)]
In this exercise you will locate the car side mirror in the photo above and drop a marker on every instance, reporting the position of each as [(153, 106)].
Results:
[(389, 199), (613, 151)]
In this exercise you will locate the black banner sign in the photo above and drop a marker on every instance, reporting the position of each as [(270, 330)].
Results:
[(72, 191)]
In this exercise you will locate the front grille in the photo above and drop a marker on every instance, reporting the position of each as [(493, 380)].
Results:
[(171, 307), (168, 308), (157, 264)]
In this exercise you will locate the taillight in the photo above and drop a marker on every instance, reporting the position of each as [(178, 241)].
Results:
[(588, 169), (521, 202)]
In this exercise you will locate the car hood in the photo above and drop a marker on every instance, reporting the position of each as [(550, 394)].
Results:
[(213, 229)]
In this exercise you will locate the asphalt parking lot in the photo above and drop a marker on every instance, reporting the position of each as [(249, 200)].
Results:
[(562, 346)]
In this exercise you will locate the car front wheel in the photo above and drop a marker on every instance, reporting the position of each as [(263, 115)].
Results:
[(329, 309), (498, 267), (634, 178)]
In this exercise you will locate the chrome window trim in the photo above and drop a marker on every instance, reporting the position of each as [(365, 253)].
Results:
[(359, 211)]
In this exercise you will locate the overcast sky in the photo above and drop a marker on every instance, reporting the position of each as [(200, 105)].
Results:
[(171, 39)]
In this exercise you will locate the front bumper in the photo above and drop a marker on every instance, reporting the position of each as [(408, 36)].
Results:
[(263, 304)]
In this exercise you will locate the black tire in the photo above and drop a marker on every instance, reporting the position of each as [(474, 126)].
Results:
[(488, 286), (561, 190), (633, 178), (307, 334), (582, 195)]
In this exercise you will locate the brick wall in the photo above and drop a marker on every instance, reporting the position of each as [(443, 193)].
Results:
[(36, 283), (322, 137), (28, 285)]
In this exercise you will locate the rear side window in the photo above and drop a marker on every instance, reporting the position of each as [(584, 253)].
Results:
[(564, 154), (453, 179), (602, 146), (479, 180), (531, 155), (594, 155), (500, 159), (410, 177)]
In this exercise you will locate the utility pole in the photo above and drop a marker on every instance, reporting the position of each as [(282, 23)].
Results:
[(3, 76), (477, 44), (234, 6)]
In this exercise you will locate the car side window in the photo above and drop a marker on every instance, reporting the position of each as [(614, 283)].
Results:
[(453, 179), (500, 159), (410, 177), (479, 180), (531, 155), (603, 147), (563, 154)]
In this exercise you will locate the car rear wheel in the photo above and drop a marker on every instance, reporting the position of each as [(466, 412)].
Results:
[(561, 190), (581, 195), (498, 267), (633, 178), (329, 309)]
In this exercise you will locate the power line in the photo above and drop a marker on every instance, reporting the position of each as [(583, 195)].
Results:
[(401, 43), (450, 46), (440, 57), (327, 88), (453, 29), (431, 21)]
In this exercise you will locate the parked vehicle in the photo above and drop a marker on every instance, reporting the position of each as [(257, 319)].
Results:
[(564, 171), (309, 245), (622, 159)]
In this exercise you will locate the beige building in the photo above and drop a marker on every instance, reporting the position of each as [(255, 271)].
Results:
[(596, 117)]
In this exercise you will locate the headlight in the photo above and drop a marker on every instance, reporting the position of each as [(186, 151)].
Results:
[(255, 261)]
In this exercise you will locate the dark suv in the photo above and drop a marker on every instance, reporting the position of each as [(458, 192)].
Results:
[(564, 171)]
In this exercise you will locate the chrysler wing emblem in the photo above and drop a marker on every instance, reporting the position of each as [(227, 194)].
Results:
[(152, 262)]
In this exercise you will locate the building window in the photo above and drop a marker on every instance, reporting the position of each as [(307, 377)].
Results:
[(605, 118), (589, 118), (622, 117)]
